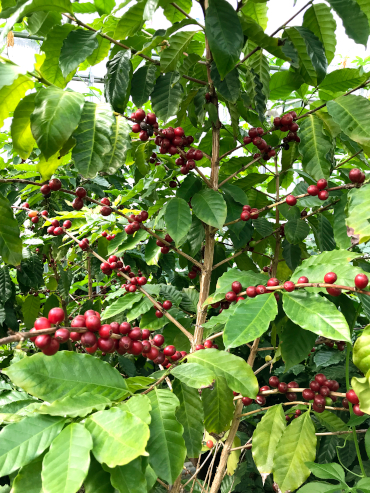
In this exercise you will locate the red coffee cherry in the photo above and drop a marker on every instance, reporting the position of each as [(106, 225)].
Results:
[(323, 195), (312, 190), (209, 444), (321, 184), (303, 280), (56, 315), (62, 335), (274, 382), (308, 394), (55, 184), (247, 401), (352, 397), (355, 175), (291, 200), (361, 281), (52, 348), (289, 286), (330, 278)]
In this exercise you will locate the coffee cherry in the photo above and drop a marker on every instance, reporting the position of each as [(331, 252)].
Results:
[(320, 378), (230, 296), (245, 216), (198, 347), (209, 444), (334, 291), (315, 385), (81, 192), (88, 339), (330, 278), (317, 408), (261, 400), (67, 224), (55, 184), (135, 334), (355, 175), (52, 348), (139, 115), (251, 292), (208, 344), (26, 205), (142, 281), (44, 213), (105, 211), (125, 328), (165, 250), (303, 280), (77, 203), (58, 231), (78, 321), (319, 400), (321, 184), (283, 388), (158, 314), (273, 282), (43, 341), (169, 351), (158, 339), (289, 286), (361, 281), (291, 200), (105, 331), (308, 394), (312, 190), (323, 195), (45, 189), (274, 382), (56, 315), (357, 410), (325, 391), (261, 289), (286, 119), (167, 305), (132, 288), (32, 214), (236, 287), (352, 397), (291, 396), (92, 349), (247, 401), (125, 343)]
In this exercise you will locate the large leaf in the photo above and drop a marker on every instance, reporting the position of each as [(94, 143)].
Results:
[(76, 405), (282, 84), (118, 82), (295, 343), (229, 87), (210, 207), (238, 374), (349, 113), (354, 20), (257, 11), (22, 442), (104, 6), (357, 215), (6, 285), (178, 219), (190, 415), (296, 231), (217, 406), (166, 445), (29, 477), (93, 137), (97, 480), (319, 19), (297, 446), (10, 240), (342, 80), (12, 94), (317, 314), (193, 375), (120, 144), (51, 378), (56, 116), (118, 436), (177, 46), (143, 84), (66, 464), (23, 141), (341, 237), (250, 320), (166, 96), (224, 34), (266, 437), (30, 310), (130, 22), (315, 146), (77, 46), (129, 478)]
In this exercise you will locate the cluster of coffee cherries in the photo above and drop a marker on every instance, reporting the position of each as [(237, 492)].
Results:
[(208, 344), (56, 229), (53, 186), (78, 202), (356, 175), (319, 189), (108, 236), (164, 248), (361, 281), (135, 221), (255, 136), (286, 123), (114, 264), (48, 344), (144, 124), (352, 397), (173, 139), (341, 345), (249, 213), (260, 399)]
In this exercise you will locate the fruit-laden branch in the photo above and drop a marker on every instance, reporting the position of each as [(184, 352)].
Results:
[(293, 403), (276, 391), (118, 43)]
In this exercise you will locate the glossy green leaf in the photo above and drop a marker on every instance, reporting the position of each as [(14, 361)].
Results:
[(354, 20), (178, 44), (317, 314), (193, 375), (130, 22), (229, 87), (97, 479), (77, 46), (357, 216), (10, 240), (143, 84), (190, 415), (6, 285), (291, 255), (250, 320), (296, 231), (218, 406), (120, 144), (118, 436), (342, 80), (100, 53), (341, 237), (297, 446), (129, 478), (23, 141), (210, 207), (361, 355), (22, 442), (282, 84), (118, 82), (224, 34), (93, 139), (76, 405), (332, 422), (319, 19), (166, 445), (178, 219), (66, 464), (139, 405), (51, 379), (266, 438), (12, 94), (318, 487), (166, 96), (238, 374), (314, 147), (295, 344), (327, 471), (30, 310), (29, 477), (104, 6)]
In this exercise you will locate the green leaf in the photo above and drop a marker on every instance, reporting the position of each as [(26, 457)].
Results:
[(224, 34), (354, 20), (341, 80), (190, 415), (50, 379), (143, 84), (139, 309), (357, 216), (178, 44), (172, 14), (266, 438), (238, 374), (6, 285), (193, 375), (12, 94), (66, 464), (118, 436), (361, 351), (166, 96), (218, 406), (120, 144), (77, 46), (282, 84), (56, 116), (229, 87), (296, 231), (291, 255), (97, 480), (30, 310), (130, 22), (189, 187), (123, 303), (104, 6), (139, 406), (93, 139), (314, 147), (349, 113), (319, 20), (257, 11), (23, 141), (317, 314), (178, 219), (118, 82), (10, 240), (196, 235), (100, 53), (318, 487), (22, 442), (76, 405), (297, 446), (295, 344), (129, 478), (250, 320), (210, 207), (332, 422), (341, 237), (166, 445), (323, 231), (29, 477)]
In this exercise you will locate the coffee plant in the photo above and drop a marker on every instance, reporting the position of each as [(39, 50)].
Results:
[(184, 299)]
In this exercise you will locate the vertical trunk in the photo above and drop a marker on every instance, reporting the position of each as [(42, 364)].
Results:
[(275, 261), (90, 283)]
